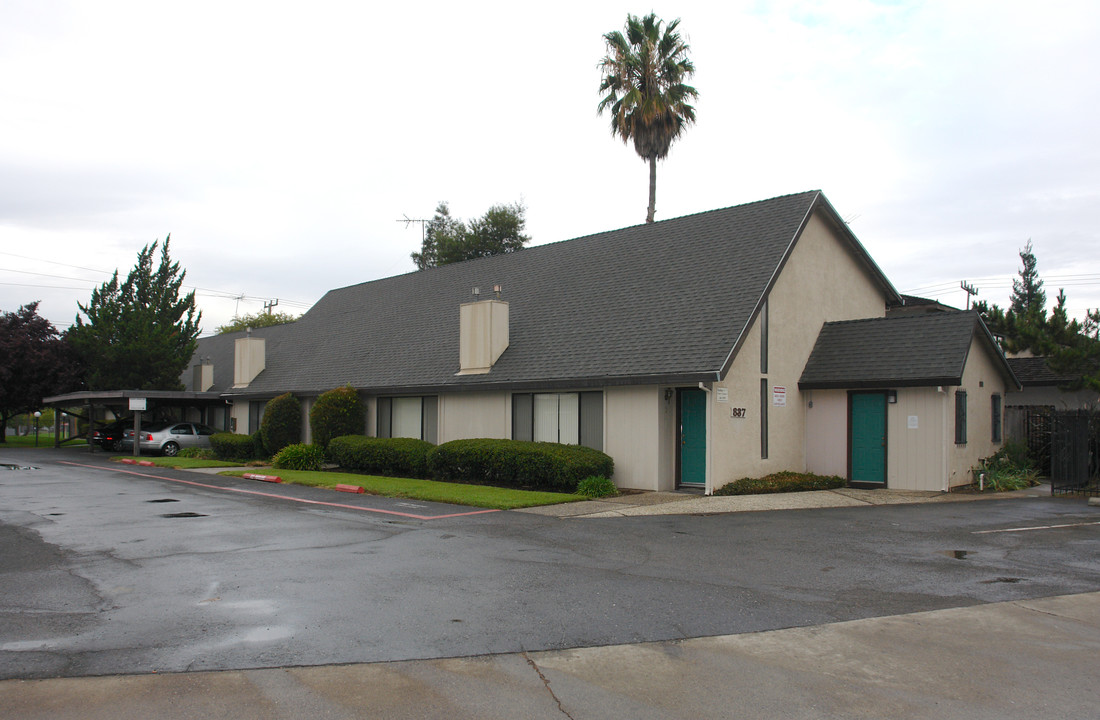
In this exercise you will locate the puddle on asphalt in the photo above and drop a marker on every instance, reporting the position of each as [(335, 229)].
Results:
[(163, 500), (183, 515), (957, 554)]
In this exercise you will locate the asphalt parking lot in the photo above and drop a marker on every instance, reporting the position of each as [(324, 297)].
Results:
[(170, 572)]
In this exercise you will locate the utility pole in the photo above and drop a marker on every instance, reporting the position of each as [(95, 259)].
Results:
[(270, 304), (970, 290)]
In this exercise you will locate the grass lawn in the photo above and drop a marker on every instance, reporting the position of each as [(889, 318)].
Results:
[(44, 441), (181, 463), (427, 490)]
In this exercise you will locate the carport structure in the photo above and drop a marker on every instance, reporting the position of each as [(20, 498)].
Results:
[(207, 407)]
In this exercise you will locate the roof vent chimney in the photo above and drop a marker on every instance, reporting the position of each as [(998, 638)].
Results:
[(482, 333)]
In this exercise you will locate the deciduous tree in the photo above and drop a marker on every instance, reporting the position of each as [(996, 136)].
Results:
[(256, 320), (34, 363), (448, 239)]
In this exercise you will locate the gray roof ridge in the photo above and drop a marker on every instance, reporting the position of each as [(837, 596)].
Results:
[(601, 233)]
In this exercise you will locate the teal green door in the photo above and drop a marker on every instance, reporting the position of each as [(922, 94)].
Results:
[(867, 461), (693, 437)]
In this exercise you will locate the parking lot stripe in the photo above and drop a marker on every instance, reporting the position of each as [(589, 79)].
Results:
[(1037, 527), (285, 497)]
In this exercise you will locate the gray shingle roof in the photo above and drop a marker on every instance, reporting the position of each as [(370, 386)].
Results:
[(663, 301), (900, 351), (1036, 372)]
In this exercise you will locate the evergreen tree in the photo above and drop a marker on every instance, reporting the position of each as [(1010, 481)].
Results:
[(140, 334)]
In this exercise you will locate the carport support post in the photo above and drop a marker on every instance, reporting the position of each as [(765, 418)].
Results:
[(137, 433), (89, 410), (57, 427)]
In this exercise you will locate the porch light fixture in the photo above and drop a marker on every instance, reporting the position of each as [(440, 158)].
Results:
[(668, 394), (892, 397)]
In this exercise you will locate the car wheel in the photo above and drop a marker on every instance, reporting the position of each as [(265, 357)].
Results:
[(114, 445), (170, 449)]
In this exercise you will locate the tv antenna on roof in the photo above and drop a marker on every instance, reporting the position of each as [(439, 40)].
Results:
[(423, 224)]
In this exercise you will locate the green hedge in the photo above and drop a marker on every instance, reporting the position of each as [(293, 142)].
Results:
[(337, 412), (231, 446), (517, 463), (282, 423), (781, 482), (392, 457)]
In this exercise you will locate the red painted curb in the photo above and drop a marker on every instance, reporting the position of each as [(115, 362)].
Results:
[(128, 461), (147, 463), (349, 488), (265, 478)]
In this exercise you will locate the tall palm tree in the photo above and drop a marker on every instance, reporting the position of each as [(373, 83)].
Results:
[(643, 75)]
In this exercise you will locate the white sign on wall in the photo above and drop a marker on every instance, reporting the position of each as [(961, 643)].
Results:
[(722, 394), (779, 396), (912, 424)]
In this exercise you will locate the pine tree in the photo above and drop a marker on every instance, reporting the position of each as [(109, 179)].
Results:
[(140, 334)]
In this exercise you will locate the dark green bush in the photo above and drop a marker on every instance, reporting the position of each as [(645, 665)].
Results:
[(1009, 468), (337, 412), (232, 446), (299, 456), (597, 487), (392, 457), (282, 423), (780, 482), (517, 463)]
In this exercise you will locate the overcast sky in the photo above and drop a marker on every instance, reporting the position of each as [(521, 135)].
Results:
[(279, 143)]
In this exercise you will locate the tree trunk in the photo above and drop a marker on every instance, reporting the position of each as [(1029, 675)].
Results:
[(652, 188)]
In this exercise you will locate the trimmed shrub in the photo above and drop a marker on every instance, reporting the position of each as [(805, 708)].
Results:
[(780, 482), (337, 412), (392, 457), (282, 423), (597, 487), (232, 446), (517, 463), (299, 456)]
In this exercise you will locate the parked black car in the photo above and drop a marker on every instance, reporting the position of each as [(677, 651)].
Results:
[(109, 437)]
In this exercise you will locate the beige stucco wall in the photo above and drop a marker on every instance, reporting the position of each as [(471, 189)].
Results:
[(981, 380), (916, 451), (633, 418), (239, 413), (827, 432), (474, 415), (1078, 400), (821, 282)]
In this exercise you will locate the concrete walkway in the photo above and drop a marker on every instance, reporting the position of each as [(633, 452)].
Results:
[(679, 503), (1023, 659)]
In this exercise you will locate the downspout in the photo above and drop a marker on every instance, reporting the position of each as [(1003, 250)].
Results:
[(708, 484), (945, 448)]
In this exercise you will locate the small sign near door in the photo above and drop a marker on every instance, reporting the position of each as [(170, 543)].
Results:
[(722, 395), (779, 396)]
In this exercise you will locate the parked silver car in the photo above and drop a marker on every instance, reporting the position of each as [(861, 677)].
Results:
[(170, 438)]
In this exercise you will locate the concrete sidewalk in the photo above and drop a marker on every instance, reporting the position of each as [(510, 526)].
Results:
[(1022, 659), (681, 503)]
